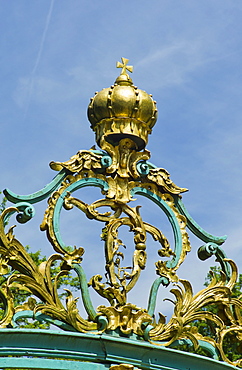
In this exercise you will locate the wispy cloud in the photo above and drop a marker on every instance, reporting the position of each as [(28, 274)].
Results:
[(29, 86), (180, 58)]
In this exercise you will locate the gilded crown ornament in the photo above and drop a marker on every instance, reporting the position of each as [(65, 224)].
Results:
[(121, 116), (122, 111)]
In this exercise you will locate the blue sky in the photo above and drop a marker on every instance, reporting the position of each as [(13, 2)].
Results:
[(56, 53)]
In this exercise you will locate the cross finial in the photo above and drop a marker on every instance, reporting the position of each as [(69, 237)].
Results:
[(124, 66)]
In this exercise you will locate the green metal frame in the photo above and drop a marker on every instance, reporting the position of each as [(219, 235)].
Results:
[(24, 204), (41, 349)]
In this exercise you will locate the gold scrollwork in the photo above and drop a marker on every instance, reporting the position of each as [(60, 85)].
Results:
[(37, 280), (124, 157), (161, 178), (83, 160), (120, 279), (129, 318), (212, 307)]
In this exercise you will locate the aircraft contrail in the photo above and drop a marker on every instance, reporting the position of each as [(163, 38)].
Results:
[(33, 72)]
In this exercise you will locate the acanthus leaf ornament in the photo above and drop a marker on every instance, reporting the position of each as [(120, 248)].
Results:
[(162, 178)]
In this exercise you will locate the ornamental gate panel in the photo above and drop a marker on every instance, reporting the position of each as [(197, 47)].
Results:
[(204, 330)]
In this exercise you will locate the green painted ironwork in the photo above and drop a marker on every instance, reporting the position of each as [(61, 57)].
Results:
[(40, 349), (121, 333), (40, 195), (172, 219), (70, 189), (196, 229)]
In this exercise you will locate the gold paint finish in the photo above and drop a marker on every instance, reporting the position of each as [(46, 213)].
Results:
[(123, 367), (129, 318), (122, 111), (38, 281)]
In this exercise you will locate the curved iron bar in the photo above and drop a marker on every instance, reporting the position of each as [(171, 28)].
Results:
[(153, 293), (89, 181), (210, 249), (195, 228), (191, 223), (38, 195), (212, 246), (143, 168), (25, 211), (85, 292), (171, 217), (28, 314)]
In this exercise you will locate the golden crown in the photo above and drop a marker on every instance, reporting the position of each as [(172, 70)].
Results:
[(122, 110)]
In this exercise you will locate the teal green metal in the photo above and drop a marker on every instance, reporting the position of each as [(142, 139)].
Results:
[(85, 292), (172, 219), (24, 206), (213, 243), (25, 211), (195, 228), (191, 223), (96, 352), (153, 293), (70, 189), (41, 349), (28, 314), (40, 195), (23, 203)]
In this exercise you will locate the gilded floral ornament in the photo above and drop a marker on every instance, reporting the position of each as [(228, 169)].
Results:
[(122, 117), (83, 160), (129, 319), (161, 177)]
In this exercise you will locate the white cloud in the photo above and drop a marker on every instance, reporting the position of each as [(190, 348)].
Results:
[(30, 85)]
